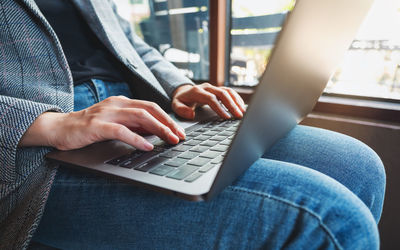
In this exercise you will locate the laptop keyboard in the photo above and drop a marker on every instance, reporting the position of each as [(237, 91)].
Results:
[(204, 148)]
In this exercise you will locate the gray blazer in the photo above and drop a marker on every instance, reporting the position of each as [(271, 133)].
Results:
[(35, 78)]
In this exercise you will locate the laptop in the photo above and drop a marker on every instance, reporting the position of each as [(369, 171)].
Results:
[(315, 36)]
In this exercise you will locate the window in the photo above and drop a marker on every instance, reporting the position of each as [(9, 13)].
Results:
[(371, 67), (177, 28), (254, 28)]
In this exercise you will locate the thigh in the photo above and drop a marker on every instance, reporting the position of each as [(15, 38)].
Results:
[(341, 157), (273, 205)]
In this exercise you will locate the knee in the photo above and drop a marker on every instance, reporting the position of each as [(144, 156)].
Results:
[(347, 160), (295, 208), (367, 174)]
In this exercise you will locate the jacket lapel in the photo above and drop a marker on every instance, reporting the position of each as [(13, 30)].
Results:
[(31, 6), (108, 30), (98, 14)]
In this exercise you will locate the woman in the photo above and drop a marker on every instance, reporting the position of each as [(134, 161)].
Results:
[(73, 73)]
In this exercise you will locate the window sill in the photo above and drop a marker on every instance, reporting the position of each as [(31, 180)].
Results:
[(354, 107)]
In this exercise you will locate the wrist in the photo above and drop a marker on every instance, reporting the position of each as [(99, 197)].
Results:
[(181, 88), (44, 130)]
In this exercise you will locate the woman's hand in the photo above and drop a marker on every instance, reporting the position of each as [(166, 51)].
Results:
[(116, 117), (187, 97)]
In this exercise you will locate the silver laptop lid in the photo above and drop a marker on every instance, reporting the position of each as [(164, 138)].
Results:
[(311, 44)]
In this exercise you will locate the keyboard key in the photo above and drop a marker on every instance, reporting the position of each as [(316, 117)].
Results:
[(151, 164), (188, 155), (176, 162), (218, 138), (138, 157), (193, 134), (193, 177), (182, 148), (159, 149), (192, 142), (131, 156), (203, 137), (225, 125), (232, 129), (206, 168), (163, 145), (159, 143), (211, 133), (127, 164), (210, 154), (170, 154), (220, 148), (226, 133), (217, 160), (137, 153), (226, 142), (199, 149), (209, 143), (218, 129), (199, 161), (182, 172), (201, 130), (118, 160), (162, 170)]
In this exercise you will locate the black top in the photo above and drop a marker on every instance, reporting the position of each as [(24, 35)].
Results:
[(86, 55)]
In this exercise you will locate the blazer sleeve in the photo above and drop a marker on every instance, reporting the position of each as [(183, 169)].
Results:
[(16, 115), (166, 73)]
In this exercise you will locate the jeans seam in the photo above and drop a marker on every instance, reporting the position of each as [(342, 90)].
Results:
[(286, 202)]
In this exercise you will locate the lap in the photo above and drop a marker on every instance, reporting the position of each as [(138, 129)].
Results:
[(286, 199), (345, 159)]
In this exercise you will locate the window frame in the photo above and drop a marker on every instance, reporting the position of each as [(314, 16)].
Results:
[(220, 40)]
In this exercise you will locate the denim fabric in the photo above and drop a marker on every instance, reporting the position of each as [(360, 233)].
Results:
[(315, 189), (88, 93)]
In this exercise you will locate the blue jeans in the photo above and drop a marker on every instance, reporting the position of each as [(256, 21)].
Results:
[(315, 189)]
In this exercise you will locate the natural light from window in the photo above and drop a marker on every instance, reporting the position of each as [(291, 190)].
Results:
[(179, 30), (371, 67)]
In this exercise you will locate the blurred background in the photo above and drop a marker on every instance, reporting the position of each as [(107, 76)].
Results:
[(179, 30)]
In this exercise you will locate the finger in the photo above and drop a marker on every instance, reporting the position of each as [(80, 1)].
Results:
[(139, 118), (144, 119), (205, 97), (119, 132), (237, 98), (162, 116), (152, 108), (183, 110), (227, 100)]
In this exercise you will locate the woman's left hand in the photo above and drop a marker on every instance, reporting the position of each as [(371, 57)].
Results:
[(187, 97)]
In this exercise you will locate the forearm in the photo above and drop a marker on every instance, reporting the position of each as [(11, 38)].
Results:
[(42, 130)]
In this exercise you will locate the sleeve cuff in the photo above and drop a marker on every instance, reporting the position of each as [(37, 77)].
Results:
[(17, 117)]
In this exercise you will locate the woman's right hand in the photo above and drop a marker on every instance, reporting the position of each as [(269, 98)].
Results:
[(115, 118)]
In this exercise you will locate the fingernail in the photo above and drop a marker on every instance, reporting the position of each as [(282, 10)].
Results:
[(181, 133), (148, 146), (173, 138), (239, 113)]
